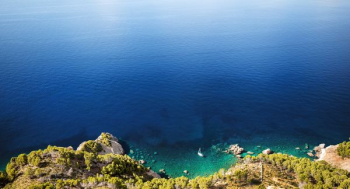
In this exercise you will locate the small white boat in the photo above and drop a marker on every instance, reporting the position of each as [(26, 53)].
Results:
[(200, 153)]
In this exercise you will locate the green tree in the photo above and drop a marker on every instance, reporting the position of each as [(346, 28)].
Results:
[(3, 179), (343, 149), (22, 160)]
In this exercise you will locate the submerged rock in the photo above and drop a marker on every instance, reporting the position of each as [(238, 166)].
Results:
[(162, 171), (310, 154), (185, 171)]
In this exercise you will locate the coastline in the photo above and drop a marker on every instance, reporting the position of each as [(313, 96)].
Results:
[(329, 154), (104, 163), (179, 158)]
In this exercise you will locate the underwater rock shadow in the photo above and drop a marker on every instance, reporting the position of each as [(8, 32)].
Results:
[(163, 175), (125, 146)]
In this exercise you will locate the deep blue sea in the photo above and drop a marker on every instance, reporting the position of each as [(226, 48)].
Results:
[(171, 76)]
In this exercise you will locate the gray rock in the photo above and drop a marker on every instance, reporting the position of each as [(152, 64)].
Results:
[(113, 148), (322, 145), (235, 149), (70, 172), (318, 149), (267, 151), (142, 161), (153, 174)]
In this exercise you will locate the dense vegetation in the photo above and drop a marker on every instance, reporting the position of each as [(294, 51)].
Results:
[(106, 139), (58, 167), (344, 149), (92, 146), (314, 174), (65, 167)]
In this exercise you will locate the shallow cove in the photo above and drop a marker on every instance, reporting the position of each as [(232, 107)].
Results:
[(174, 76)]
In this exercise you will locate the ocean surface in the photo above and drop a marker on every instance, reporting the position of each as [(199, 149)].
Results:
[(171, 76)]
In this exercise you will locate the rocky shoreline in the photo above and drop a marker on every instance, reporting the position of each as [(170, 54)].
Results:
[(110, 145), (103, 163), (329, 154)]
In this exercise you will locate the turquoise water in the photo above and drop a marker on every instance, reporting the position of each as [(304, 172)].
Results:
[(174, 76), (176, 159)]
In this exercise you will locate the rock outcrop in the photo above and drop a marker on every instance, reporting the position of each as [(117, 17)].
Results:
[(109, 144), (267, 151), (235, 149), (318, 150), (310, 154), (331, 156), (142, 161), (153, 174)]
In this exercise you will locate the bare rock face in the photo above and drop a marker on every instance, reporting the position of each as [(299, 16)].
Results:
[(331, 156), (318, 150), (109, 144), (153, 174), (235, 149), (273, 187), (267, 151), (70, 172)]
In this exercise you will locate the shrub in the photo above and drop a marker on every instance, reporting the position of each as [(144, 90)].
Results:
[(71, 182), (205, 182), (106, 139), (45, 185), (89, 158), (92, 146), (11, 169), (314, 173), (343, 149), (241, 175), (181, 182), (28, 171), (117, 182), (122, 165), (35, 158), (22, 160), (3, 179)]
